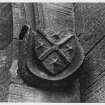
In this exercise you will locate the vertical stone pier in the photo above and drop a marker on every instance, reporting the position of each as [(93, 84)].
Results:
[(6, 36)]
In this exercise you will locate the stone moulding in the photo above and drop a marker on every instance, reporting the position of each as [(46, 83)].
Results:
[(36, 56)]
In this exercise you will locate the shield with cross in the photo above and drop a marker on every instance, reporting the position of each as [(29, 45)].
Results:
[(55, 50)]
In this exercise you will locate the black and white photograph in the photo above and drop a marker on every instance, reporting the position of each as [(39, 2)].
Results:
[(52, 52)]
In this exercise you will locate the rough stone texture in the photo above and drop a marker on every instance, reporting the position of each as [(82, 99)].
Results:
[(20, 92), (5, 64), (92, 38), (18, 18), (6, 25), (29, 11), (90, 29), (6, 34), (92, 76), (18, 88), (23, 93), (56, 16)]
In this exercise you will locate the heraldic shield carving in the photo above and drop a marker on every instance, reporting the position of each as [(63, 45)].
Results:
[(50, 55), (54, 51)]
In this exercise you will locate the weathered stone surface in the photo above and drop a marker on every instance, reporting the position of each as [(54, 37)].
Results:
[(6, 25), (92, 38), (92, 28), (5, 64), (55, 15), (78, 19), (20, 92), (6, 34), (15, 45), (23, 93), (86, 14), (18, 18), (92, 76), (44, 96), (29, 11), (14, 77)]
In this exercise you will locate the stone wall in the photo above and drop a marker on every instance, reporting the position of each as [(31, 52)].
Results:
[(91, 19), (89, 26), (6, 35)]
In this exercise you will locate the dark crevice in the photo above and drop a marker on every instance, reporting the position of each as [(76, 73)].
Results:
[(23, 32)]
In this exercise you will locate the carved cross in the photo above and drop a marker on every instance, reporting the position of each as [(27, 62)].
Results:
[(56, 47)]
